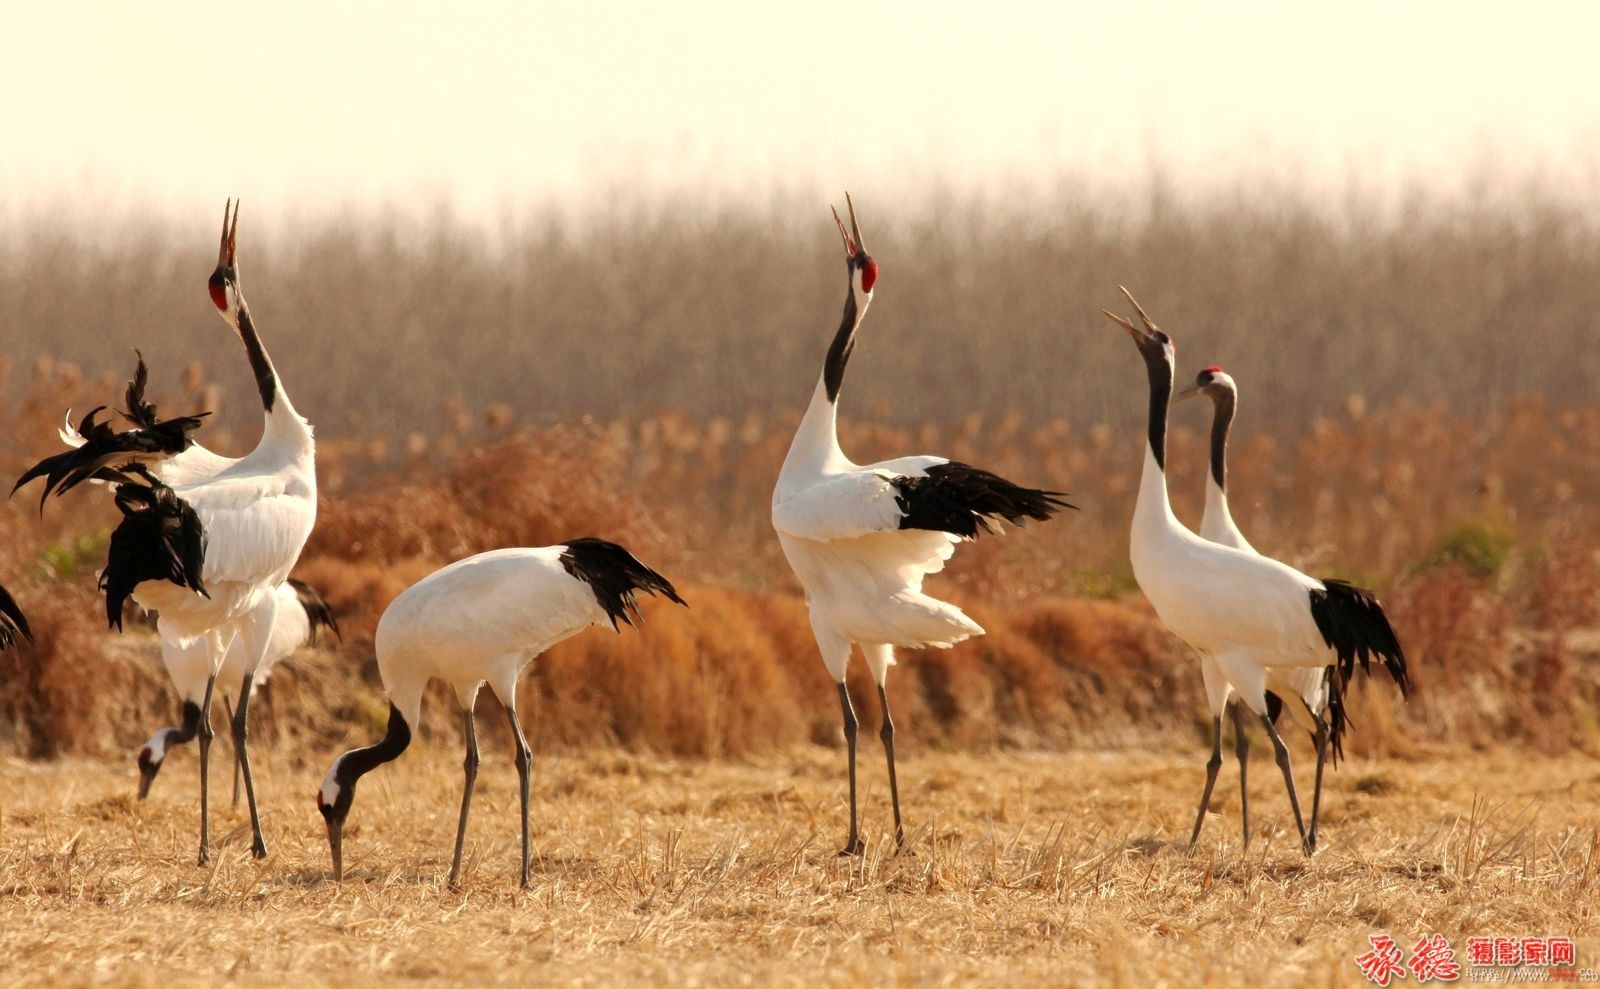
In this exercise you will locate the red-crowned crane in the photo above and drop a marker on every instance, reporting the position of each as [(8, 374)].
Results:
[(1314, 687), (205, 540), (482, 620), (301, 610), (862, 538), (1250, 614), (13, 623)]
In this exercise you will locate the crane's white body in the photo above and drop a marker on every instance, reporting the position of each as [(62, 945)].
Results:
[(1307, 683), (189, 665), (1247, 613), (257, 513), (838, 524), (481, 619)]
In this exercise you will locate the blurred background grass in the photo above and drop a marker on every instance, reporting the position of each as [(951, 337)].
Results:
[(1417, 414)]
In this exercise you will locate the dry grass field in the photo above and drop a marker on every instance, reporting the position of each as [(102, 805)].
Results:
[(1048, 868), (1418, 414)]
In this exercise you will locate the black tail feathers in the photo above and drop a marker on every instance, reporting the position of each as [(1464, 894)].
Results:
[(318, 611), (1338, 716), (151, 439), (614, 574), (964, 501), (159, 538), (1354, 626), (13, 623)]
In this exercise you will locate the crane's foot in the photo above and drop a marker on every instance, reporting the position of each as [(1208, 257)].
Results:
[(853, 846), (205, 856), (258, 849)]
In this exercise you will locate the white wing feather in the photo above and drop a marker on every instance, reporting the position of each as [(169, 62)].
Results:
[(192, 466), (253, 526), (851, 505), (844, 507)]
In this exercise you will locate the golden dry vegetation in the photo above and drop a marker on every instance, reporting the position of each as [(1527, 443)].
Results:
[(1051, 868), (1418, 415)]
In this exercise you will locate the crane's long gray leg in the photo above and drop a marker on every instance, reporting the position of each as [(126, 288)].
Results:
[(887, 734), (1321, 738), (1241, 748), (1282, 752), (525, 781), (206, 735), (227, 706), (470, 765), (852, 844), (258, 844), (1212, 766)]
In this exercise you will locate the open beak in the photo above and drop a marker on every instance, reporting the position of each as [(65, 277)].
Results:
[(1127, 324), (230, 235), (853, 244), (335, 845)]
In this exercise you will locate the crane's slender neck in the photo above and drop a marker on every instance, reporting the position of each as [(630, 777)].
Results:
[(283, 423), (359, 762), (816, 442), (190, 727), (844, 343), (1160, 375), (1221, 421), (1153, 506)]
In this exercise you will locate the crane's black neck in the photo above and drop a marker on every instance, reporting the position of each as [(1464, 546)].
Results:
[(1221, 421), (190, 727), (260, 363), (1160, 373), (844, 342), (359, 762)]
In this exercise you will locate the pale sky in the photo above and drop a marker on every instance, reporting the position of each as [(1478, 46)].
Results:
[(311, 105)]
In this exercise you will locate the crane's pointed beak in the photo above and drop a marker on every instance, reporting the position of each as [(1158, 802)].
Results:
[(336, 846), (230, 232), (147, 776), (1189, 392), (855, 226), (1133, 331), (1150, 328), (844, 235)]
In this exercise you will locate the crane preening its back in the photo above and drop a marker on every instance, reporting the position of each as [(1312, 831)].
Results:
[(482, 620), (301, 611), (862, 538), (1251, 617), (205, 540)]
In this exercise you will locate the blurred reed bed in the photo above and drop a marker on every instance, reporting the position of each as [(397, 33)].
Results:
[(1480, 530)]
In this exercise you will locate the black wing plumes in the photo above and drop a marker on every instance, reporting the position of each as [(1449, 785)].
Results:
[(152, 439), (1353, 624), (964, 501), (615, 575), (13, 623), (159, 538), (1338, 717), (318, 612)]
